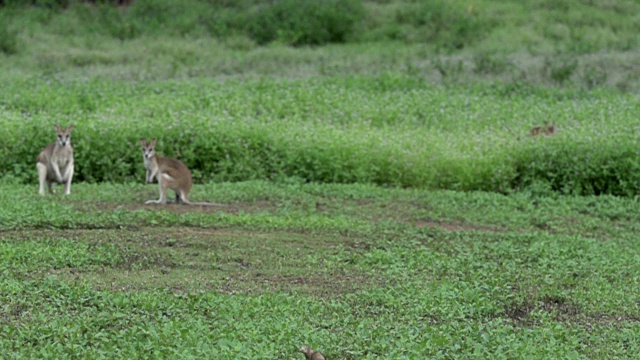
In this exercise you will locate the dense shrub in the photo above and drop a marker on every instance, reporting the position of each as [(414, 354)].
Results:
[(388, 130), (293, 22), (115, 22), (305, 22), (559, 68), (445, 24), (8, 39), (236, 153), (578, 167), (52, 4), (60, 4), (167, 16)]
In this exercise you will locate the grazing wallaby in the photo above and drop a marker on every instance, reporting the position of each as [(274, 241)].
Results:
[(311, 354), (171, 174), (55, 162), (547, 129)]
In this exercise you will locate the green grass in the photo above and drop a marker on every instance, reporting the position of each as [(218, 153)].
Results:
[(355, 271), (382, 198)]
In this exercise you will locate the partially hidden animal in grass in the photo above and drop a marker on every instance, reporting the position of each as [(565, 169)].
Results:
[(170, 173), (55, 162), (311, 354), (546, 130)]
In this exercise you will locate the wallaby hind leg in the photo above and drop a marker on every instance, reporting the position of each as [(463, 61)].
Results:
[(163, 194), (68, 177), (42, 177), (67, 187), (181, 197)]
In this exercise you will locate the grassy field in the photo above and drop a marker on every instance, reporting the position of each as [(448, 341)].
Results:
[(382, 197), (356, 271)]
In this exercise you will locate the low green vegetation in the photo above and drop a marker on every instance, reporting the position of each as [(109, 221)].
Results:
[(356, 271), (382, 196)]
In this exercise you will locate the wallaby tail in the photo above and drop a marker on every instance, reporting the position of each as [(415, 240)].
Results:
[(203, 203), (184, 199)]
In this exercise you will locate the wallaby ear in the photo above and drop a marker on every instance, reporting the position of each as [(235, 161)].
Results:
[(69, 128), (57, 127), (153, 142), (143, 142)]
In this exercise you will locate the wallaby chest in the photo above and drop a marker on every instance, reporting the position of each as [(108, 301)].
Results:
[(151, 163), (62, 157)]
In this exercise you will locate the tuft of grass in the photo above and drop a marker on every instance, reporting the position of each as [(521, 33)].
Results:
[(305, 22)]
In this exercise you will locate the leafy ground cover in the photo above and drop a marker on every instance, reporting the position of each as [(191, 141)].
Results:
[(357, 271)]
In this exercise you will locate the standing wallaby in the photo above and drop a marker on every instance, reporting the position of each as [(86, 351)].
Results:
[(311, 354), (547, 129), (55, 162), (171, 174)]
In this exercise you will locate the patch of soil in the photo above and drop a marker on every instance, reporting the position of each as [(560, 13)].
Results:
[(559, 306), (13, 313), (519, 313), (563, 311)]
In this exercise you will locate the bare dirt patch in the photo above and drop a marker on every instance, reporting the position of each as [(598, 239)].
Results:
[(563, 311), (195, 259)]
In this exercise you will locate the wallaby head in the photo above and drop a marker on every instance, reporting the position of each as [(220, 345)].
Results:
[(148, 148), (311, 354), (64, 135)]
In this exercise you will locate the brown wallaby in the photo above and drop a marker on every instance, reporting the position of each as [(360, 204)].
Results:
[(55, 162), (170, 173), (547, 129), (311, 354)]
